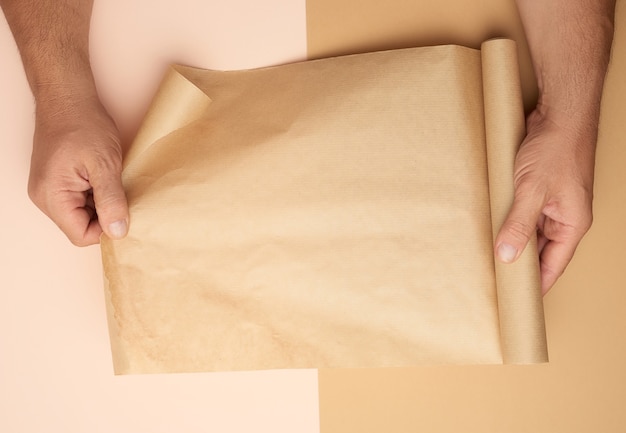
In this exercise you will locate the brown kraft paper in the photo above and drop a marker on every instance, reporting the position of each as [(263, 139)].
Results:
[(330, 213)]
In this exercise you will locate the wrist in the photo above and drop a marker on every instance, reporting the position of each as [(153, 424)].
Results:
[(577, 118), (566, 138), (57, 82), (569, 140), (65, 92), (70, 109)]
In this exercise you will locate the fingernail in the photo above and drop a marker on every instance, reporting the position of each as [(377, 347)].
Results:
[(507, 253), (118, 229)]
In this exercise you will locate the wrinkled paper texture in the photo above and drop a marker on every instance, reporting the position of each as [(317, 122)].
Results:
[(330, 213)]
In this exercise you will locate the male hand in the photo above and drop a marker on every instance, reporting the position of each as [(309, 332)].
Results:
[(75, 176), (553, 192)]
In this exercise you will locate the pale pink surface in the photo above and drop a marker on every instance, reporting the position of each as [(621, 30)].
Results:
[(55, 364)]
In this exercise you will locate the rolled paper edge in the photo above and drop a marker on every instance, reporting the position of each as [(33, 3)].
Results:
[(520, 302)]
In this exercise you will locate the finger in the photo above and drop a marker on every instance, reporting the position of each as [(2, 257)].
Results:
[(90, 206), (554, 259), (71, 212), (110, 199), (558, 252), (542, 241), (519, 226)]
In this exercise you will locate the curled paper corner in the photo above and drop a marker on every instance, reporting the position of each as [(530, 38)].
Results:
[(177, 103)]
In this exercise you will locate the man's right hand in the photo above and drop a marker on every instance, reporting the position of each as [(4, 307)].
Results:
[(76, 166), (75, 176)]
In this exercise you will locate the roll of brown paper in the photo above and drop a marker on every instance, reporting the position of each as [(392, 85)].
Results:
[(329, 213)]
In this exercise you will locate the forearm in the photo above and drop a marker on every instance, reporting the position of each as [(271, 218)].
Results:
[(76, 164), (53, 39), (570, 42)]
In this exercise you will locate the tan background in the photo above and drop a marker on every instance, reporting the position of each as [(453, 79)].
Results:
[(583, 389)]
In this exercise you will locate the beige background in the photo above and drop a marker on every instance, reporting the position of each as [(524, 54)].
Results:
[(583, 389), (55, 368), (55, 363)]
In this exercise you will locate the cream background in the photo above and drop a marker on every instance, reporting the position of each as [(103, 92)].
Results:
[(55, 363), (583, 388)]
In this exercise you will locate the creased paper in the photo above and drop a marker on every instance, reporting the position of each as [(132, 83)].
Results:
[(330, 213)]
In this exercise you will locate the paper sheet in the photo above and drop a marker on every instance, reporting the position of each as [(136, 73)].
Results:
[(331, 213)]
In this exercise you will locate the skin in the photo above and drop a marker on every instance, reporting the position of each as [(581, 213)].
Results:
[(76, 162), (570, 43), (76, 166)]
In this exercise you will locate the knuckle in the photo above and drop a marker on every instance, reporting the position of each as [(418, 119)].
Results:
[(110, 206), (529, 178), (581, 222), (103, 165), (77, 240), (529, 189), (519, 230), (551, 273)]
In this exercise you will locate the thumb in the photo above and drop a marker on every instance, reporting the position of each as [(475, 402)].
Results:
[(518, 227), (110, 200)]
